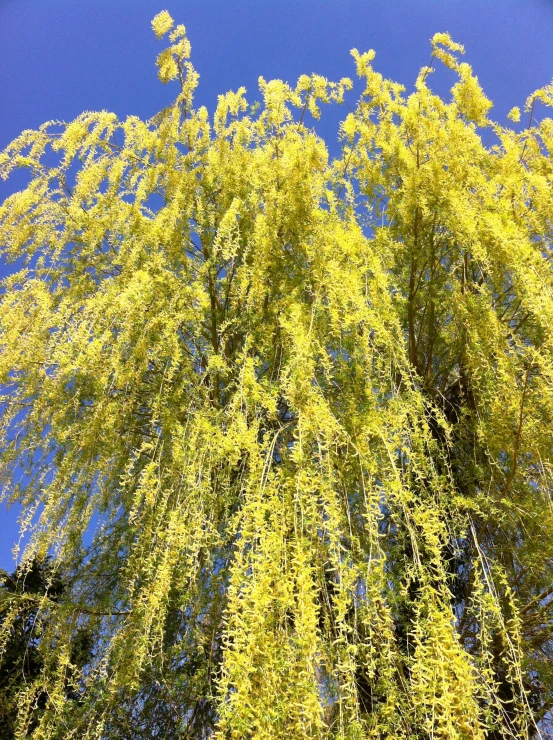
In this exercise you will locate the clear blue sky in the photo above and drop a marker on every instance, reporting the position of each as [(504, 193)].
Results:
[(60, 57)]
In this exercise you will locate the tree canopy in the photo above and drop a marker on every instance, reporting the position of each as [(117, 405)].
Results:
[(284, 422)]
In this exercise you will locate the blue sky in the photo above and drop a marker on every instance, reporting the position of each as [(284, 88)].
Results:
[(60, 57)]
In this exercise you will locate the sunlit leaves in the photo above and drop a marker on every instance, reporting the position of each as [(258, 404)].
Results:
[(287, 423)]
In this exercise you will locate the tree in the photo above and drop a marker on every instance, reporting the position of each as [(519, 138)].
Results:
[(306, 406), (24, 628)]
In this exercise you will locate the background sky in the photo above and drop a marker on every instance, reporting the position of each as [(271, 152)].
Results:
[(61, 57)]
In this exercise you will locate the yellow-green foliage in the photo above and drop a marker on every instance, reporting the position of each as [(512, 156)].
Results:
[(306, 407)]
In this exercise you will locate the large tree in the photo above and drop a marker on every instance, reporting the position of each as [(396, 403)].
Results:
[(287, 423)]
